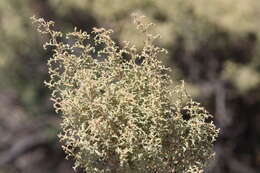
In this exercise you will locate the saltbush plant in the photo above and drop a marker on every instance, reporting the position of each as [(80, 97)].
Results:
[(120, 111)]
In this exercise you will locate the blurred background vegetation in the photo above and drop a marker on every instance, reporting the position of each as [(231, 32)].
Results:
[(213, 45)]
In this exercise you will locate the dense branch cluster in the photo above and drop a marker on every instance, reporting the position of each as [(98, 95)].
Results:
[(120, 111)]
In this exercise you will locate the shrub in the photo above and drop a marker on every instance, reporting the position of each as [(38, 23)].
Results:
[(120, 113)]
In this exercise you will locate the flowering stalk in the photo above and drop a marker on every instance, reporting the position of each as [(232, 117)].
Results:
[(120, 113)]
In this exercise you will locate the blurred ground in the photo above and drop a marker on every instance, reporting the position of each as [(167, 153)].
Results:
[(213, 45)]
